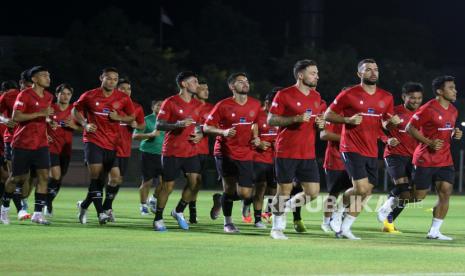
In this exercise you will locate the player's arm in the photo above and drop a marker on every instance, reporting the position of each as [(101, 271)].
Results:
[(336, 118), (327, 135), (166, 126), (122, 118), (230, 132), (19, 116), (435, 144), (283, 121)]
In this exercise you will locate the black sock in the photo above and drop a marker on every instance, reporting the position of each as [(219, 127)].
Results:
[(17, 198), (110, 194), (6, 199), (257, 215), (2, 189), (52, 190), (96, 193), (193, 209), (227, 204), (268, 205), (248, 201), (40, 202), (87, 201), (296, 214), (235, 197), (397, 210), (159, 213), (181, 206)]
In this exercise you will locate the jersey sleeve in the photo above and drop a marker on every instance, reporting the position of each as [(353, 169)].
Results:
[(20, 103), (420, 117), (81, 103), (140, 115), (3, 103), (165, 111), (340, 103), (278, 104), (323, 106), (389, 112), (214, 116), (129, 106)]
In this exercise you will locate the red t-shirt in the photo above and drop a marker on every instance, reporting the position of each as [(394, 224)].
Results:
[(3, 128), (333, 160), (363, 139), (434, 122), (202, 146), (96, 107), (296, 141), (123, 148), (228, 113), (266, 133), (31, 134), (177, 143), (7, 101), (62, 137), (407, 143)]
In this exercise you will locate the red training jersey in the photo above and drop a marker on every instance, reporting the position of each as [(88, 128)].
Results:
[(202, 146), (62, 137), (123, 148), (7, 101), (266, 133), (407, 144)]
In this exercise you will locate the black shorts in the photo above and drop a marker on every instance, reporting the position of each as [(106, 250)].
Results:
[(94, 154), (337, 181), (264, 172), (8, 151), (243, 170), (61, 160), (359, 167), (150, 166), (424, 177), (172, 166), (204, 159), (399, 166), (299, 170), (122, 164), (24, 160)]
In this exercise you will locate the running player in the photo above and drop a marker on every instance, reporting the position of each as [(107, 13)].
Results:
[(294, 110), (98, 112), (231, 121), (359, 141), (433, 126)]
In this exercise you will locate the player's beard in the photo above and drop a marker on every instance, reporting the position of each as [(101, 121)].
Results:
[(369, 82), (309, 84)]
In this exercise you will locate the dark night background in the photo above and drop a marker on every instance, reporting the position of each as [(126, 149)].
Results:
[(411, 41)]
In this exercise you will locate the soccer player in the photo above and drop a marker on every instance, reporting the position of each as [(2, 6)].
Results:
[(178, 117), (359, 148), (398, 156), (294, 110), (433, 126), (30, 143), (203, 149), (60, 137), (150, 147), (99, 112), (231, 121), (123, 151)]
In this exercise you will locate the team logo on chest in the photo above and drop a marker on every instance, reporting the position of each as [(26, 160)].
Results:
[(381, 104), (116, 105), (252, 113)]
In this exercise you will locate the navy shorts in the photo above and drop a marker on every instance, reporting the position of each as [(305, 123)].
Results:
[(359, 167), (8, 151), (25, 160), (172, 166), (243, 170), (122, 164), (424, 177), (299, 170), (337, 181), (150, 165), (399, 166), (264, 172), (61, 160), (98, 155)]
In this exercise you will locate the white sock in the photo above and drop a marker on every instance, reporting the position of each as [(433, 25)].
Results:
[(341, 207), (143, 205), (37, 213), (278, 222), (347, 222), (326, 220), (389, 203), (436, 224), (228, 220)]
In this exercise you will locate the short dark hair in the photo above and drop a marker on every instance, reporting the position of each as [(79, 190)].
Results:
[(232, 78), (9, 84), (124, 80), (365, 61), (184, 75), (270, 96), (36, 69), (438, 82), (25, 76), (62, 87), (410, 87), (109, 69), (301, 65), (203, 82)]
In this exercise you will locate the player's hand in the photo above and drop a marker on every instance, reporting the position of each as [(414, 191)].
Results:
[(185, 123), (230, 132), (264, 145), (394, 120), (436, 144), (393, 142), (303, 118), (354, 120), (90, 127), (70, 123), (134, 124), (320, 121), (47, 112), (457, 133), (196, 137), (10, 123), (154, 133), (114, 115), (256, 141), (53, 125)]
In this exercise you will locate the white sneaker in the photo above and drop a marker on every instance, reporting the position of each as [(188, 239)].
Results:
[(111, 215), (153, 204), (279, 222), (38, 218), (438, 236), (23, 215), (260, 225), (103, 218), (347, 234), (278, 235), (385, 210), (4, 217), (326, 227), (159, 225), (336, 221), (144, 210), (82, 213), (47, 213)]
